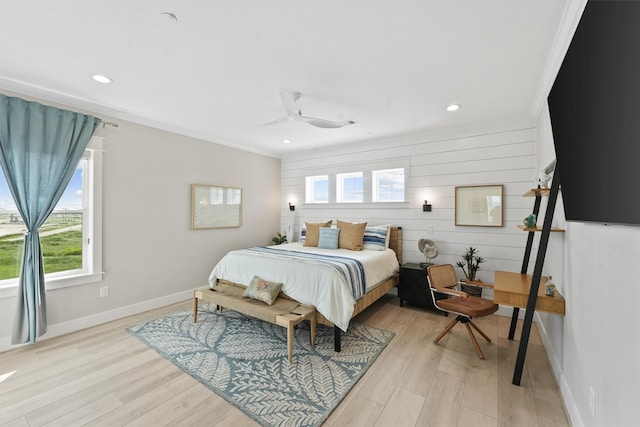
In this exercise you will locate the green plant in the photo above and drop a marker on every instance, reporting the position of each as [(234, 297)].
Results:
[(279, 239), (472, 261)]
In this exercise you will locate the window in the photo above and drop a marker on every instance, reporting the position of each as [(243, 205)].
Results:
[(70, 237), (388, 185), (317, 189), (367, 186), (349, 187)]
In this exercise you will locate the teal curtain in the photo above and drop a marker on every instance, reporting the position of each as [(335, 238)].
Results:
[(40, 148)]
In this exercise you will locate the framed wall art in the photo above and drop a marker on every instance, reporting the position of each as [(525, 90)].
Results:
[(213, 206), (479, 205)]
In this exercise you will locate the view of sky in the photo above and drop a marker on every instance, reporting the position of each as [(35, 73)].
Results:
[(71, 199)]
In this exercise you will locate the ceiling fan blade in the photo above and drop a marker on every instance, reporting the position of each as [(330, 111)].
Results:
[(289, 101), (326, 124), (276, 121)]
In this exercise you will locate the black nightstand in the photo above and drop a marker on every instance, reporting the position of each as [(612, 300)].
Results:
[(413, 288)]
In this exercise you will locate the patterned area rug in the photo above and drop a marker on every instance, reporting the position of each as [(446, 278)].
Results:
[(244, 360)]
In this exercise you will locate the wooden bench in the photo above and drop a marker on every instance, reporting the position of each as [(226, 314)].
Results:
[(283, 312)]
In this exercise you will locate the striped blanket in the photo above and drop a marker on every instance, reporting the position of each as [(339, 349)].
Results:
[(350, 269)]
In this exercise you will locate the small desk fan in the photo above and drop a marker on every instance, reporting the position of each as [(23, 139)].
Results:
[(429, 250)]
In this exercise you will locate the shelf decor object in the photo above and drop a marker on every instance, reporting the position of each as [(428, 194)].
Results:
[(479, 205), (530, 221), (215, 207), (429, 250)]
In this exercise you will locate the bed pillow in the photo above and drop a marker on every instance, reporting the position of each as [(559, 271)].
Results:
[(376, 238), (313, 232), (351, 235), (328, 238), (262, 290)]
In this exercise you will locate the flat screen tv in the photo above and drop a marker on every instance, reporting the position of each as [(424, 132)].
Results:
[(594, 106)]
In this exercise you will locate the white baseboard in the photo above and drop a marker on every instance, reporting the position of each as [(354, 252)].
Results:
[(556, 366), (103, 317)]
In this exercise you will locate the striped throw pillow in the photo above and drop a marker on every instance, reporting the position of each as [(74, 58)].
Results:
[(376, 238)]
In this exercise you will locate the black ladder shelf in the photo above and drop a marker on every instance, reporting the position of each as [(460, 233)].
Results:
[(537, 271)]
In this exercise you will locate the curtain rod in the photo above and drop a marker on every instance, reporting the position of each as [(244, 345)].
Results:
[(110, 124)]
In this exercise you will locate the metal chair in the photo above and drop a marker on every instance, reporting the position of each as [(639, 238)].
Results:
[(443, 279)]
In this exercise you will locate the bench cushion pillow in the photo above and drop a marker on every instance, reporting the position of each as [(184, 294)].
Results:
[(262, 290)]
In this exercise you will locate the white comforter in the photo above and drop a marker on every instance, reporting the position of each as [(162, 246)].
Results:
[(309, 283)]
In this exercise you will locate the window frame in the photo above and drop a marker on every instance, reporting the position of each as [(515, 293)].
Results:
[(91, 270)]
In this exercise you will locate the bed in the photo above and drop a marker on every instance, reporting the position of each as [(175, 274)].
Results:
[(340, 283)]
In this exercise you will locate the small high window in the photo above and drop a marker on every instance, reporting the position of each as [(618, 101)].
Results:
[(388, 185), (349, 187), (317, 189)]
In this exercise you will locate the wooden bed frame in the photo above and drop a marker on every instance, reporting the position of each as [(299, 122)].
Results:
[(395, 243)]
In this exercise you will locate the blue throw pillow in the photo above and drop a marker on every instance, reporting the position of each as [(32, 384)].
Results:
[(328, 238)]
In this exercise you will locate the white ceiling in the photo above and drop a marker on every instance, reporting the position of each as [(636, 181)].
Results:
[(392, 66)]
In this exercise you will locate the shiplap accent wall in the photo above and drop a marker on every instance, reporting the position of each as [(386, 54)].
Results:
[(437, 163)]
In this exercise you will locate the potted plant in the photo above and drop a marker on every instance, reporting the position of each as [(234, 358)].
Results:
[(470, 265), (279, 239)]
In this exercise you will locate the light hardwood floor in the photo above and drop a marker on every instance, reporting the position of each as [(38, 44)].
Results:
[(102, 376)]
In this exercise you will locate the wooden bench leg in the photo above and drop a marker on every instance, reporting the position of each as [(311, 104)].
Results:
[(195, 307), (290, 330), (290, 321), (312, 329)]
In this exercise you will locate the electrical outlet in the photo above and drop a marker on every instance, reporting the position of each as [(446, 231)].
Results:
[(429, 229), (104, 291), (592, 402)]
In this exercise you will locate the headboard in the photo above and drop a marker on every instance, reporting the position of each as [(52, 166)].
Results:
[(395, 242)]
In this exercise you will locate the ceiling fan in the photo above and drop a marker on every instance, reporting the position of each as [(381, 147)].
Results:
[(294, 113)]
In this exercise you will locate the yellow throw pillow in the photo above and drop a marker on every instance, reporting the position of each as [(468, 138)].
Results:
[(313, 232), (351, 235)]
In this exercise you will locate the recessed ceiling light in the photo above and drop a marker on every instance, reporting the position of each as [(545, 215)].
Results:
[(102, 79), (285, 141), (453, 107)]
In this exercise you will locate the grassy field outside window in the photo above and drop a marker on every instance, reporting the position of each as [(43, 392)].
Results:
[(60, 238)]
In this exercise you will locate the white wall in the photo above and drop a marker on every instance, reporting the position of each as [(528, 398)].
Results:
[(498, 153), (151, 255), (597, 344)]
